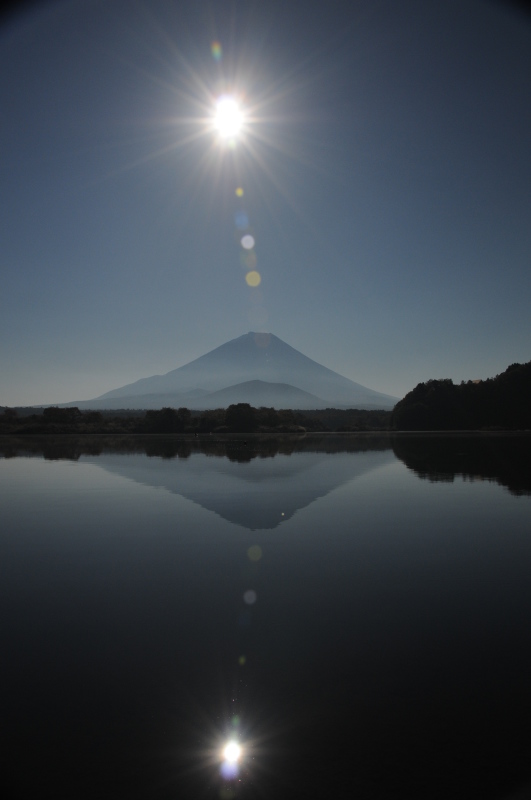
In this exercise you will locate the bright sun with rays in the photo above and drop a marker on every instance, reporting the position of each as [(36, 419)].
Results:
[(228, 118)]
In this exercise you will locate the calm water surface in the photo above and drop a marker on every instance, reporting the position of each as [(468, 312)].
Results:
[(355, 612)]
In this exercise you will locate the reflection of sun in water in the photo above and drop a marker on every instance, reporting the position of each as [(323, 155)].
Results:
[(228, 118), (232, 752), (231, 755)]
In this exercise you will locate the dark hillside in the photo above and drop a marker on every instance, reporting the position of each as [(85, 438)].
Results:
[(502, 402)]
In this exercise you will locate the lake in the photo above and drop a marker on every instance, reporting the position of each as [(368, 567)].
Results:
[(353, 611)]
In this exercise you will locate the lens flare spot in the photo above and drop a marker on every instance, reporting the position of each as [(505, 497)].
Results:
[(242, 660), (216, 51), (247, 241), (253, 278), (239, 192), (254, 553), (249, 597), (262, 339), (228, 117)]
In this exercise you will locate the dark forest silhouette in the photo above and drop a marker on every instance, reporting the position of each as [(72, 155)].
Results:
[(237, 418), (503, 402)]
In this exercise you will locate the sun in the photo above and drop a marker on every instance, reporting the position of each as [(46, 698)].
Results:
[(228, 117)]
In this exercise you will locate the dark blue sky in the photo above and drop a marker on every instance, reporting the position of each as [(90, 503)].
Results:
[(386, 171)]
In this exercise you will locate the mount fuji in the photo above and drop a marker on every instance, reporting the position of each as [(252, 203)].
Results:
[(256, 368)]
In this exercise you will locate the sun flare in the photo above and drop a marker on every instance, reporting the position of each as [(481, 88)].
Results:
[(228, 118)]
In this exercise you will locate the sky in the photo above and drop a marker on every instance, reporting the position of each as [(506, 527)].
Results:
[(383, 171)]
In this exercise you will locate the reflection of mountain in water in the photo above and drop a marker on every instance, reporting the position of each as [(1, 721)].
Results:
[(258, 494), (254, 481), (505, 459)]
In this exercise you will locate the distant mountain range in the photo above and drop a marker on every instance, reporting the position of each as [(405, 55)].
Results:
[(257, 368)]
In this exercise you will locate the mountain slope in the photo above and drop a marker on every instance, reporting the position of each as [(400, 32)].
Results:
[(260, 393), (251, 357)]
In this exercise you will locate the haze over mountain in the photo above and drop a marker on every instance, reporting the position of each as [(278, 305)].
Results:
[(262, 393), (258, 368)]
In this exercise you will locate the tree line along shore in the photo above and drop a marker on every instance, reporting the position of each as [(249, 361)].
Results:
[(500, 403), (237, 418)]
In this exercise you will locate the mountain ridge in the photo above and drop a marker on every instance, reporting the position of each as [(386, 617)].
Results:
[(261, 357)]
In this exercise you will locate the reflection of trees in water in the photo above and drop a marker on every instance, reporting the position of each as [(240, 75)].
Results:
[(242, 448), (501, 458), (162, 448), (498, 457)]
